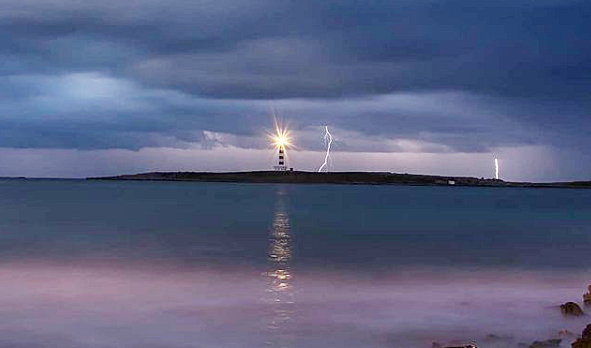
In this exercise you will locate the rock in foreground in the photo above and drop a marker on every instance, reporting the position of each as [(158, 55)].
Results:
[(585, 340), (587, 297), (571, 309)]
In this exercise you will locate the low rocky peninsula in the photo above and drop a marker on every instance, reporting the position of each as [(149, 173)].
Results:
[(368, 178)]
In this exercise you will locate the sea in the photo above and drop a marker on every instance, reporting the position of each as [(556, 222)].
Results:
[(113, 264)]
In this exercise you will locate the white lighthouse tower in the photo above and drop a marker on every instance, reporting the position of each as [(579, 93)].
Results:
[(281, 140), (281, 159)]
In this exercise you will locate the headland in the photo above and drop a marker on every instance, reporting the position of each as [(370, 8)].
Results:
[(359, 178)]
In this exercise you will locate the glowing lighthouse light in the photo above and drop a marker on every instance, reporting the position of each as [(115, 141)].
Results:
[(281, 141)]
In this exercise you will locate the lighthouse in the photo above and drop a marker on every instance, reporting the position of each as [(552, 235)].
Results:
[(281, 140), (281, 159)]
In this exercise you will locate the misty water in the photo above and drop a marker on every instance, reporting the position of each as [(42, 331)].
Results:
[(176, 265)]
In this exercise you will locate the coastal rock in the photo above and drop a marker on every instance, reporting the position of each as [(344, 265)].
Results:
[(587, 297), (553, 343), (572, 309), (585, 340), (466, 346)]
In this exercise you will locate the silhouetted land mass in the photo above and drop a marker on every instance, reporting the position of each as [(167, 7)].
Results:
[(367, 178)]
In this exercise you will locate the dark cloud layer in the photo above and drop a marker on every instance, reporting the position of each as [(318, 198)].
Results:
[(467, 75), (326, 48)]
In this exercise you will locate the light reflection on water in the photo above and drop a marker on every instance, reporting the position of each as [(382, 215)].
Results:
[(280, 288)]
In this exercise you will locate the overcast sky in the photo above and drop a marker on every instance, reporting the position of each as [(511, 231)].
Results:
[(91, 88)]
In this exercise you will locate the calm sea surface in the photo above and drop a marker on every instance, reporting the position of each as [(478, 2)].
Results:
[(176, 265)]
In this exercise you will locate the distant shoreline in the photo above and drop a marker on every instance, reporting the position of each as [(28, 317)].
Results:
[(351, 178)]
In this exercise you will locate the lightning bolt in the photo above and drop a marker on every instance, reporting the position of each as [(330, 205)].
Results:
[(328, 141), (496, 168)]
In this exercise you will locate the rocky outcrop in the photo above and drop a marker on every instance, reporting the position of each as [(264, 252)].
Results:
[(585, 340), (571, 309), (553, 343), (466, 346), (587, 297)]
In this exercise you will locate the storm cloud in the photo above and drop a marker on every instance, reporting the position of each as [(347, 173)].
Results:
[(412, 77)]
